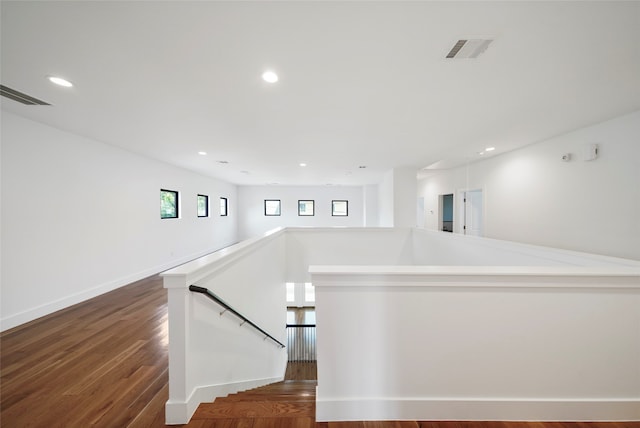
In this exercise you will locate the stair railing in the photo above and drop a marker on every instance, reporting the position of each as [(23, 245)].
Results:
[(301, 342), (211, 295)]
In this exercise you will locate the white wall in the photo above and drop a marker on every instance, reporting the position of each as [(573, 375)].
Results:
[(371, 211), (385, 200), (404, 197), (531, 196), (252, 221), (80, 218), (397, 198)]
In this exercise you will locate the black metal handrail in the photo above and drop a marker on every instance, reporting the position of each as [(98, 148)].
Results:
[(226, 306), (300, 325)]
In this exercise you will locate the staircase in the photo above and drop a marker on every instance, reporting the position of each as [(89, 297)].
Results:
[(283, 404), (291, 404)]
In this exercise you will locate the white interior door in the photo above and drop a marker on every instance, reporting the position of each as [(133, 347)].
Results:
[(473, 217)]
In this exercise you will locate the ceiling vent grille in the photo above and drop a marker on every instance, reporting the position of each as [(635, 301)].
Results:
[(469, 48), (20, 97)]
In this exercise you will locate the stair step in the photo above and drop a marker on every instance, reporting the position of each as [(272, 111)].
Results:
[(255, 409), (265, 397)]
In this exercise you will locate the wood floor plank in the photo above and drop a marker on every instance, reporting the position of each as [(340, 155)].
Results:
[(391, 424), (284, 423)]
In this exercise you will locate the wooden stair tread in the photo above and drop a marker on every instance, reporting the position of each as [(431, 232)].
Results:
[(293, 401), (254, 409), (265, 397)]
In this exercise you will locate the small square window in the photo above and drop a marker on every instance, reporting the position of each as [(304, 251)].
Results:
[(305, 208), (340, 208), (272, 207), (203, 206), (168, 203), (309, 292), (291, 293), (223, 207)]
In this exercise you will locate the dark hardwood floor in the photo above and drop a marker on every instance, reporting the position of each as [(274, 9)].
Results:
[(104, 362), (99, 363)]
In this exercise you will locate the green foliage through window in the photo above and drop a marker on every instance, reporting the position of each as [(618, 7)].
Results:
[(203, 206), (168, 204)]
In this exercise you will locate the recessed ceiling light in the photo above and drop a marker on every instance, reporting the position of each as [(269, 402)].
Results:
[(223, 161), (481, 153), (303, 164), (202, 153), (489, 149), (270, 77), (60, 81)]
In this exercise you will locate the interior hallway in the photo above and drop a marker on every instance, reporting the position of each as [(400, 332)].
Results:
[(104, 363)]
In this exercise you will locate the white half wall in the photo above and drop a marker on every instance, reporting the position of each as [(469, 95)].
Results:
[(252, 221), (483, 343), (532, 196), (346, 246), (211, 352), (80, 218)]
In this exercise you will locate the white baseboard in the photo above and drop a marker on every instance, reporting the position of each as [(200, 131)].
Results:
[(72, 299), (178, 413), (485, 410)]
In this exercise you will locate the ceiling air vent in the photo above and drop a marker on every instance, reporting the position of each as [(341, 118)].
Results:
[(469, 48), (20, 97)]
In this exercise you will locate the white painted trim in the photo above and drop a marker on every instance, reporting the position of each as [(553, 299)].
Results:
[(178, 413), (475, 277), (428, 272), (424, 409)]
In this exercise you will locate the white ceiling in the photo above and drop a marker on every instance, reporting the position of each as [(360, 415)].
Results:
[(361, 83)]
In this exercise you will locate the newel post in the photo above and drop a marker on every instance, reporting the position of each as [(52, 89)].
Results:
[(179, 301)]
